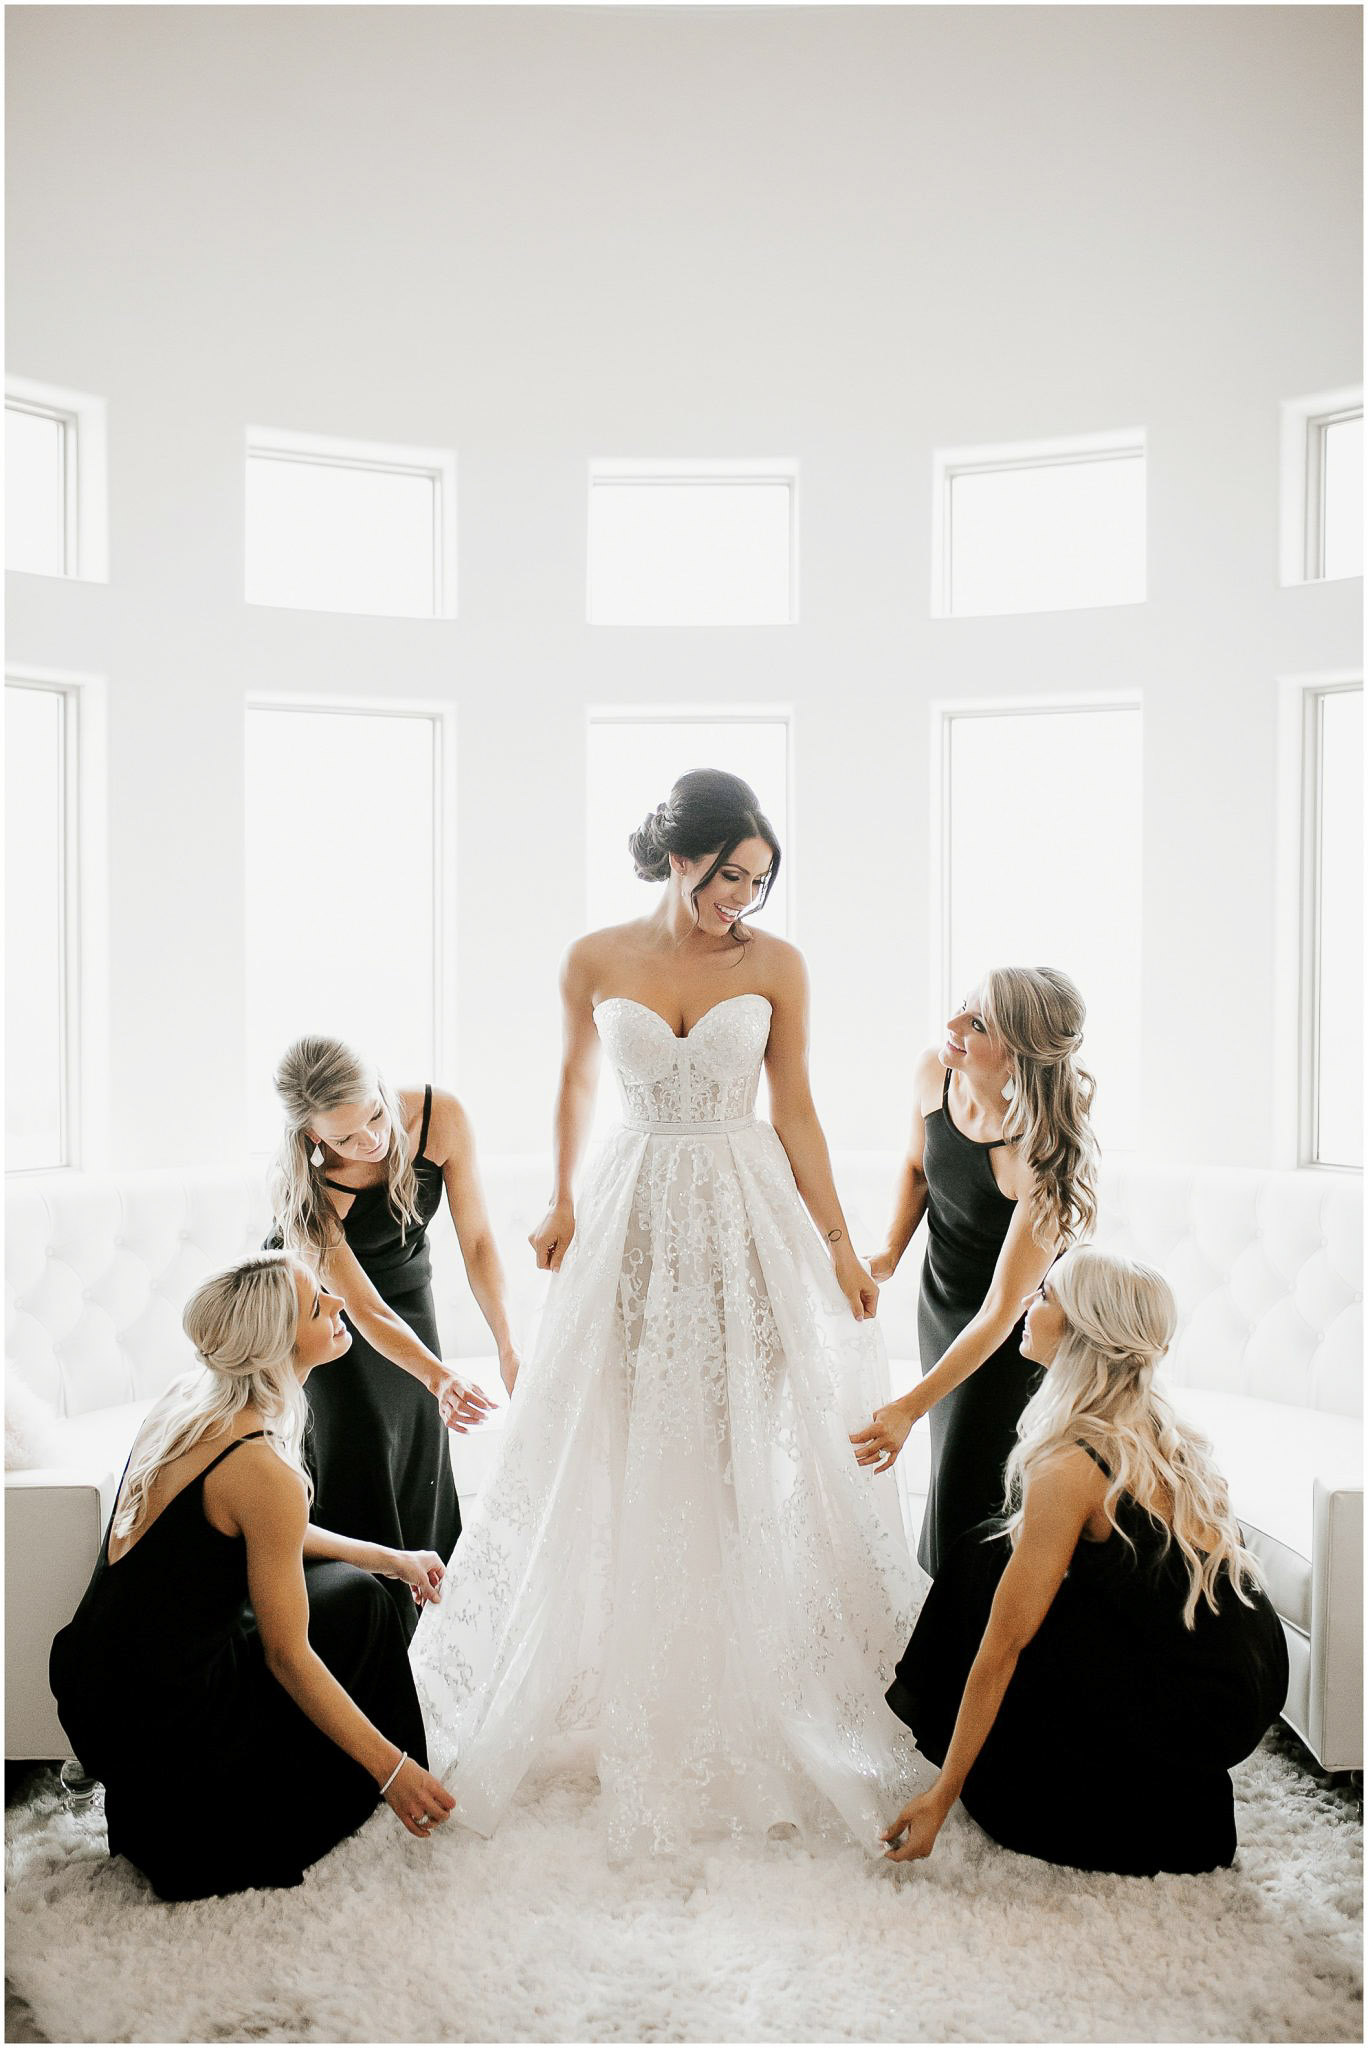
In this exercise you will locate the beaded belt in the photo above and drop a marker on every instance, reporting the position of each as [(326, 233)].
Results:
[(716, 1127)]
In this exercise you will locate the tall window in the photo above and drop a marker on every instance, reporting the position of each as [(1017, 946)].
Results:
[(1027, 881), (1039, 527), (1322, 487), (352, 950), (1336, 848), (55, 511), (40, 761), (692, 545), (337, 526)]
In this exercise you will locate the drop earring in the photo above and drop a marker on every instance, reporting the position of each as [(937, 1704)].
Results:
[(316, 1156), (1008, 1089)]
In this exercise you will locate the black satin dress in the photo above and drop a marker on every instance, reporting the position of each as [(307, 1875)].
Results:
[(1113, 1746), (377, 1447), (215, 1781), (973, 1428)]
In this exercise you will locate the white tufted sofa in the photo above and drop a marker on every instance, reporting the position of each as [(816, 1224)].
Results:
[(1266, 1268)]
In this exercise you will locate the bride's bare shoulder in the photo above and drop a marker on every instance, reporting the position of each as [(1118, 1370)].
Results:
[(591, 960), (776, 963)]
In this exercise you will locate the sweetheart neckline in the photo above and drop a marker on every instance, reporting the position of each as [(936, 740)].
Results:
[(747, 996)]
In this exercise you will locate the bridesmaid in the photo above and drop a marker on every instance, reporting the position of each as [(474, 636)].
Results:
[(1087, 1677), (235, 1754), (1002, 1162), (359, 1177)]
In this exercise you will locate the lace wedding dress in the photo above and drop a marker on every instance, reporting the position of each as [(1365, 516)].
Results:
[(677, 1550)]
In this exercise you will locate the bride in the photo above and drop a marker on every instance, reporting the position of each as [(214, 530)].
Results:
[(676, 1551)]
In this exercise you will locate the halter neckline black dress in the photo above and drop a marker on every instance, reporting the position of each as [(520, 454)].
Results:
[(378, 1449), (215, 1781), (973, 1428), (1113, 1746)]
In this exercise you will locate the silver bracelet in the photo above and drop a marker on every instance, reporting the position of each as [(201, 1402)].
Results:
[(394, 1774)]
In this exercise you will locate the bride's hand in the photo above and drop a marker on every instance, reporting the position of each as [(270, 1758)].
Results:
[(884, 1437), (856, 1285), (551, 1238)]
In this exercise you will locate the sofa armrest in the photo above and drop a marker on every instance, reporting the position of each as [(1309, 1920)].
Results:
[(1336, 1691), (54, 1521)]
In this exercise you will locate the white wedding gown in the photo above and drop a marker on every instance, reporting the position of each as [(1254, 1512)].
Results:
[(676, 1550)]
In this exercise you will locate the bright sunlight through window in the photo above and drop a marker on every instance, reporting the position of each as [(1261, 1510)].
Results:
[(361, 962), (1032, 883)]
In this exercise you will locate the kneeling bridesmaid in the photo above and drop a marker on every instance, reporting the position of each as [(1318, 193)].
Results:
[(233, 1754), (1087, 1675)]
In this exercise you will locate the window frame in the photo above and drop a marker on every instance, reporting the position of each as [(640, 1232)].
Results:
[(330, 451), (1062, 451), (744, 471), (1302, 481), (1298, 946), (83, 420), (443, 718), (82, 994), (703, 714)]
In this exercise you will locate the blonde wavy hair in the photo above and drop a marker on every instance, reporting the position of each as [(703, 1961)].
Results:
[(1038, 1014), (316, 1076), (1099, 1391), (242, 1323)]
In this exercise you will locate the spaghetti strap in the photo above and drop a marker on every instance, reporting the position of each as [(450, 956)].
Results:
[(226, 1452), (1096, 1456), (982, 1144), (427, 1118)]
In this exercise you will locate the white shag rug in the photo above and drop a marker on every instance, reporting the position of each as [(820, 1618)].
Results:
[(533, 1937)]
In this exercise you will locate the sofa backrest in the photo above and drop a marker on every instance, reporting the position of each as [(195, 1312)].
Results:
[(98, 1268), (1266, 1267)]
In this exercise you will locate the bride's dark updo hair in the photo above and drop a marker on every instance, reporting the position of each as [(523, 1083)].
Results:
[(706, 809)]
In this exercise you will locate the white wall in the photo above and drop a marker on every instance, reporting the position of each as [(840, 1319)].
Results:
[(841, 235)]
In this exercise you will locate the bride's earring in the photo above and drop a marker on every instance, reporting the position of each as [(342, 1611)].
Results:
[(316, 1156)]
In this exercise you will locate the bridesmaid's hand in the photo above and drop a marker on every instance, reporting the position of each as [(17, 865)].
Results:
[(551, 1238), (920, 1821), (884, 1437), (882, 1265), (461, 1405), (855, 1283), (509, 1367), (421, 1570), (421, 1801)]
